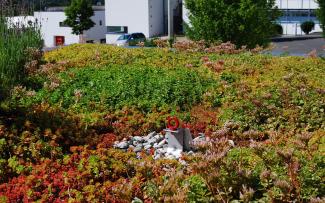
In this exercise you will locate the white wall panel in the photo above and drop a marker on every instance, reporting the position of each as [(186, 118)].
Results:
[(131, 13)]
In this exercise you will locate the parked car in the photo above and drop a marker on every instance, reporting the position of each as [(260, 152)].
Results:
[(124, 40)]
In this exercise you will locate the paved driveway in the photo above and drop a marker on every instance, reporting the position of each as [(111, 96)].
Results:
[(300, 47)]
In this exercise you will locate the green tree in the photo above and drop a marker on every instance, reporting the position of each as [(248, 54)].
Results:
[(321, 14), (79, 15), (243, 22)]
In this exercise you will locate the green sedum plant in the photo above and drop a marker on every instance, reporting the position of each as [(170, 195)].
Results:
[(263, 115), (115, 87)]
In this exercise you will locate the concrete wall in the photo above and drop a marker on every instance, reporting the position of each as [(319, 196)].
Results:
[(133, 14), (50, 27)]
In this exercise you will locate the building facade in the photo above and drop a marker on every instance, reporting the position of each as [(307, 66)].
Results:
[(55, 33), (149, 17), (294, 13)]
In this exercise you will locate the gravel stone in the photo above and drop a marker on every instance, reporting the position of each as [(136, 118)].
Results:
[(162, 143), (161, 151), (199, 140), (135, 143), (183, 162), (139, 145), (137, 139), (177, 153), (159, 137), (155, 146), (231, 143), (147, 147), (170, 156), (122, 145), (150, 135), (158, 156), (152, 141), (147, 143)]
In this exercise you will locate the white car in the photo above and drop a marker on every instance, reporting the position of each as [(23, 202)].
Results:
[(125, 39)]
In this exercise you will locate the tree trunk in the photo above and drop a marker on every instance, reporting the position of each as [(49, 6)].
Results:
[(81, 39)]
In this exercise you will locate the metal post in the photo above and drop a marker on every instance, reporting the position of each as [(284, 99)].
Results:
[(170, 20)]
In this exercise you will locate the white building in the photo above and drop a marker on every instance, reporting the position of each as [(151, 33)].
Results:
[(146, 16), (55, 33), (295, 12)]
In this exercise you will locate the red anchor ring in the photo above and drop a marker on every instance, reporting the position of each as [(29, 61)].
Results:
[(172, 123)]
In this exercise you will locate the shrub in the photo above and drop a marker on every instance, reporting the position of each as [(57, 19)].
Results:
[(241, 22), (307, 27), (278, 29)]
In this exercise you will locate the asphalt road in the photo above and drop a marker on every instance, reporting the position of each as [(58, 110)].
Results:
[(300, 47)]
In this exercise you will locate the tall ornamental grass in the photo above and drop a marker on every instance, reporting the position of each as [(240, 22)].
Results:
[(15, 40)]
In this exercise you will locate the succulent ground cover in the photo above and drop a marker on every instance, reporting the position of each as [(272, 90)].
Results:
[(56, 135)]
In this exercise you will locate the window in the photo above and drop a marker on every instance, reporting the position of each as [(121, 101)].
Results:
[(117, 29), (297, 15), (313, 13), (139, 36), (62, 24), (124, 37), (100, 23)]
